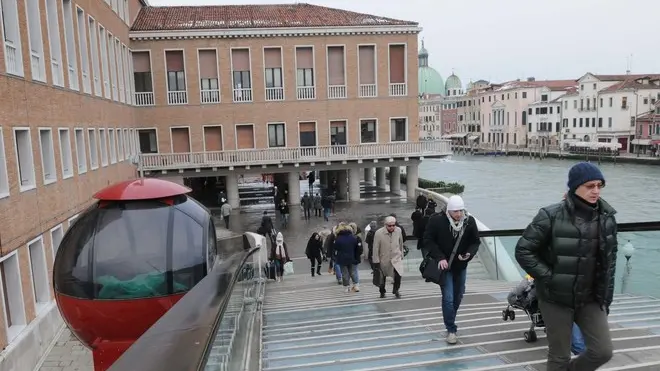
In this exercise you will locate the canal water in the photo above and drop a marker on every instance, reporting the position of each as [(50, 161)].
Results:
[(506, 193)]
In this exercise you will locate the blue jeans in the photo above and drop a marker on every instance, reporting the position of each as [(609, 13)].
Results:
[(577, 341), (326, 213), (337, 271), (452, 294)]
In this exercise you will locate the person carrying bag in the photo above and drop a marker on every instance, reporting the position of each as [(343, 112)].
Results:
[(457, 230)]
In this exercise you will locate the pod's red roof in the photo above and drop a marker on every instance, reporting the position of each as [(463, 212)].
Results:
[(141, 189)]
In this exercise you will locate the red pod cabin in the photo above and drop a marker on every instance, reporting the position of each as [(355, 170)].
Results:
[(127, 260)]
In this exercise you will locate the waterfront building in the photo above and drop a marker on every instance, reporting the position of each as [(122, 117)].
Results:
[(431, 89), (100, 91), (505, 109), (604, 107), (647, 134), (545, 118)]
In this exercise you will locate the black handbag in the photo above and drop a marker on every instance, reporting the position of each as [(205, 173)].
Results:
[(378, 278), (429, 266)]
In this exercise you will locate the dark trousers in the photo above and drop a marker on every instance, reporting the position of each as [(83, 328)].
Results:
[(308, 213), (316, 265), (318, 212), (226, 218), (592, 320), (397, 284)]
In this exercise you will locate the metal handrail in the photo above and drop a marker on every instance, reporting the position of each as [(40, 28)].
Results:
[(181, 339)]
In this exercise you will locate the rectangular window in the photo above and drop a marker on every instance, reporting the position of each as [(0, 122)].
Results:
[(56, 235), (273, 77), (609, 122), (276, 135), (208, 74), (94, 49), (53, 25), (24, 159), (398, 130), (241, 75), (142, 72), (47, 155), (4, 177), (176, 77), (338, 133), (113, 66), (120, 71), (113, 146), (120, 144), (93, 149), (368, 131), (12, 295), (336, 66), (39, 270), (305, 66), (103, 39), (37, 60), (103, 139), (84, 54), (11, 31), (65, 153), (367, 64), (69, 42), (148, 141), (81, 154)]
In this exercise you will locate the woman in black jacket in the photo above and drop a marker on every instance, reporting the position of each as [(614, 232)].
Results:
[(454, 227), (314, 252)]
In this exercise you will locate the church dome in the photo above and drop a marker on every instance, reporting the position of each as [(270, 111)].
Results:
[(453, 83), (429, 80)]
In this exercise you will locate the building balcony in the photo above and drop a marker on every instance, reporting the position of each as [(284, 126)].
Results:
[(293, 155), (398, 90), (242, 95), (210, 96), (177, 97), (145, 98), (306, 92), (368, 90), (336, 91), (275, 93)]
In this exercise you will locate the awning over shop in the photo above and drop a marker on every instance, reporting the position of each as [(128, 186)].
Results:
[(473, 137), (641, 142)]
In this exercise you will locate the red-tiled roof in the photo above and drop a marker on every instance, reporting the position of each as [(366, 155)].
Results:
[(555, 85), (635, 82), (253, 16)]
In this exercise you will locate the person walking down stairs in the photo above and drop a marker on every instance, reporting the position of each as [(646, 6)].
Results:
[(314, 252)]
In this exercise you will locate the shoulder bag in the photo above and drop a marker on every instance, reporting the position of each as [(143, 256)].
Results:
[(429, 266)]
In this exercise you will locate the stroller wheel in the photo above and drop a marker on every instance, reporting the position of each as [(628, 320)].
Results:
[(512, 315), (505, 315), (530, 336)]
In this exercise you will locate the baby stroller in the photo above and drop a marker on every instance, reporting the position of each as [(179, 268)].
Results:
[(523, 297)]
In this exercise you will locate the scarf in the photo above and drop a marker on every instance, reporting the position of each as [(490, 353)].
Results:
[(456, 226), (279, 251)]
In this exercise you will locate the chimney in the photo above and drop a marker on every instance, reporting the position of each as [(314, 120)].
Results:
[(531, 79)]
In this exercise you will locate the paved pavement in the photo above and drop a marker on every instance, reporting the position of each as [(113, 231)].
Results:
[(68, 354)]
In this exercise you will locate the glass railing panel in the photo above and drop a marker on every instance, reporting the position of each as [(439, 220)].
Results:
[(638, 259)]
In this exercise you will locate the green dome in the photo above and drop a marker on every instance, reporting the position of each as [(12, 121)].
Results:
[(429, 80), (453, 82)]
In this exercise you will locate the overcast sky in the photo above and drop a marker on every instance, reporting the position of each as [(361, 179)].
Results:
[(508, 39)]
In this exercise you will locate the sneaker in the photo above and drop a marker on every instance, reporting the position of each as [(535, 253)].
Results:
[(356, 287), (397, 295), (382, 295), (348, 289), (452, 338), (339, 282)]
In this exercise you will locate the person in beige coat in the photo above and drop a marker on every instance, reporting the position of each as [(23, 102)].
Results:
[(388, 254)]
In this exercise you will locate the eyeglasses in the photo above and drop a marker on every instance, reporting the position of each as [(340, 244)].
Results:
[(390, 225), (595, 185)]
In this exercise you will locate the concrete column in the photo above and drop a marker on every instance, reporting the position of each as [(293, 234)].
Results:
[(412, 180), (231, 186), (342, 184), (395, 179), (354, 184), (369, 175), (380, 177), (294, 188)]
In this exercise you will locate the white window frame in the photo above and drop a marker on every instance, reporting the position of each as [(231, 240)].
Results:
[(49, 173), (4, 175), (113, 66), (55, 43), (112, 141), (407, 137), (93, 146), (82, 167), (83, 49), (120, 144), (72, 219), (66, 157), (17, 68), (105, 68), (103, 146), (55, 246), (70, 43), (32, 181), (35, 40), (39, 274), (94, 49), (120, 71), (16, 303)]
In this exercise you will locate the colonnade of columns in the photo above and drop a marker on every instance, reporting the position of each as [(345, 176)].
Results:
[(348, 182)]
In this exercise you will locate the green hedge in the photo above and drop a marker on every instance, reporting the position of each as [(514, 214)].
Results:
[(438, 187)]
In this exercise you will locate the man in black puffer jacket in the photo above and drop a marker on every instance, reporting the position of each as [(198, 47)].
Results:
[(570, 251)]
